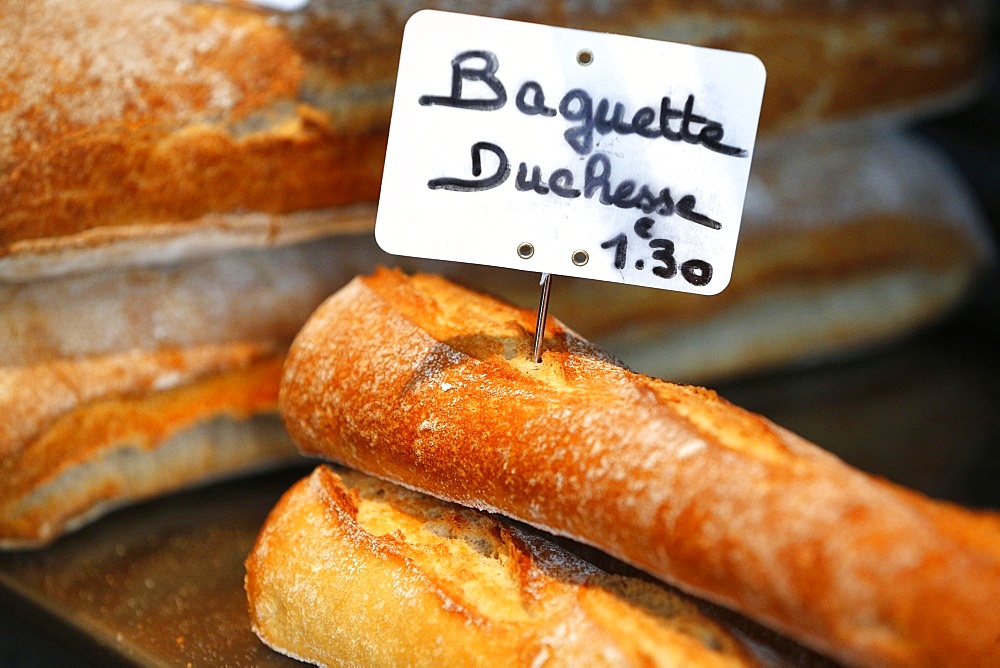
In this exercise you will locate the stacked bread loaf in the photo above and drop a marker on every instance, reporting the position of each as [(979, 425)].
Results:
[(165, 191), (354, 570), (182, 182), (420, 382)]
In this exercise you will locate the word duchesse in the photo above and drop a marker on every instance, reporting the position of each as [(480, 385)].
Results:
[(568, 152)]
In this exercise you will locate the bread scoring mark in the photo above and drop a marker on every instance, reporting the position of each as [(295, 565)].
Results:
[(365, 549), (464, 553)]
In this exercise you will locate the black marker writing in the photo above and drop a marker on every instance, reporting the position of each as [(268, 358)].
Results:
[(642, 226), (685, 209), (597, 183), (694, 271), (664, 254), (469, 185), (577, 106), (560, 182), (627, 195), (537, 104), (460, 73), (620, 244), (697, 272)]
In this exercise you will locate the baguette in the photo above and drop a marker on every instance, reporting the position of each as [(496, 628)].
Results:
[(168, 129), (349, 570), (133, 382), (828, 62), (226, 125), (420, 382)]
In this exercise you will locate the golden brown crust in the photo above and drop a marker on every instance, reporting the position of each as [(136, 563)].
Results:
[(421, 382), (85, 436), (180, 177), (201, 116), (350, 567), (223, 108)]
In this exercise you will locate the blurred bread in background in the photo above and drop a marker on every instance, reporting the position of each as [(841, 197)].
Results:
[(127, 383), (166, 128)]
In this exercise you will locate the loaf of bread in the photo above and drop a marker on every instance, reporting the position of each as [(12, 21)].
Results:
[(827, 61), (350, 570), (133, 139), (166, 128), (420, 382), (123, 384)]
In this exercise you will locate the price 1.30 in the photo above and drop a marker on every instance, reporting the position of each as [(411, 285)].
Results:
[(695, 272)]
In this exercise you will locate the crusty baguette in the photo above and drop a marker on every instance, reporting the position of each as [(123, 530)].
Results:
[(827, 60), (168, 127), (418, 381), (350, 570), (81, 437)]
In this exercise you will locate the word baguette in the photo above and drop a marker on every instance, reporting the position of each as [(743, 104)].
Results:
[(577, 106)]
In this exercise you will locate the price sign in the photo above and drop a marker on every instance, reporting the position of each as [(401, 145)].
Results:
[(568, 152)]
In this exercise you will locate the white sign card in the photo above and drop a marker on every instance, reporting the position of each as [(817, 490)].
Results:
[(568, 152)]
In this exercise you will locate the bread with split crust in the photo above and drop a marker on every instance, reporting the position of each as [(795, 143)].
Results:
[(351, 570)]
